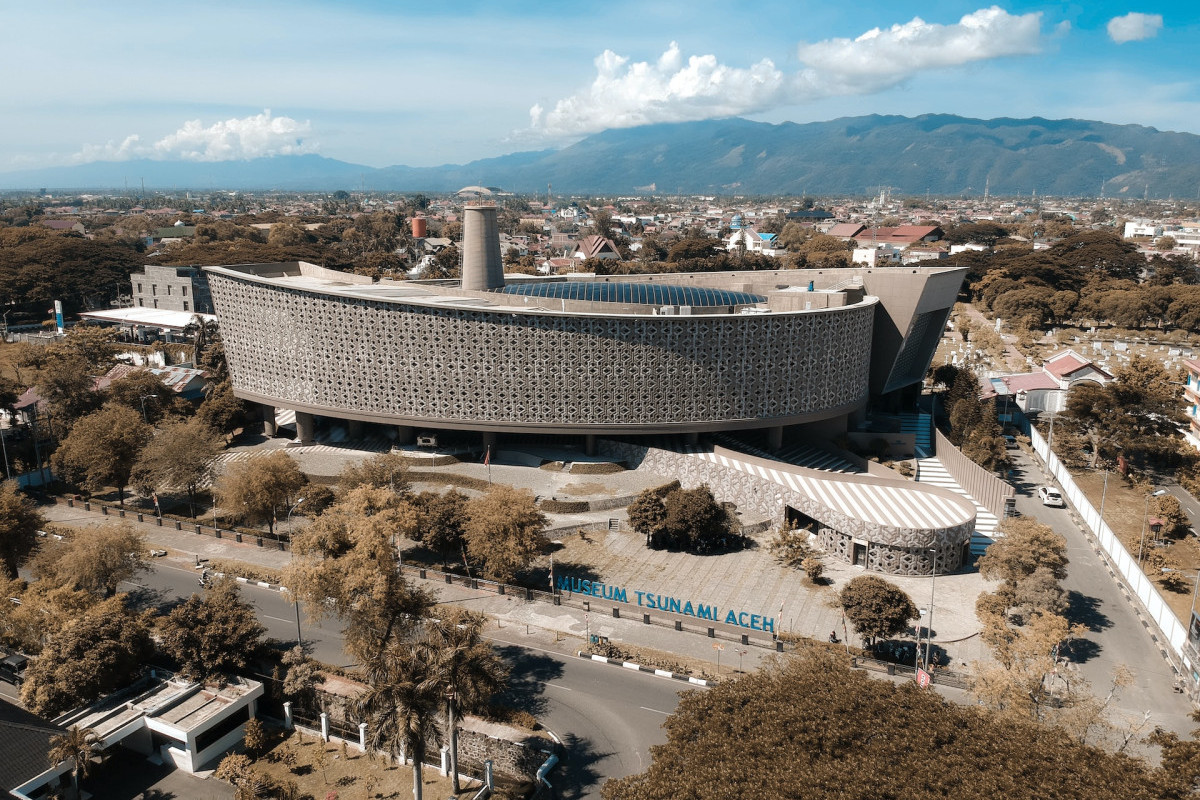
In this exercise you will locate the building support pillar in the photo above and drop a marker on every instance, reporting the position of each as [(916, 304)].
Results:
[(354, 428), (589, 444), (268, 417), (775, 438), (692, 438), (405, 434), (489, 440), (305, 428)]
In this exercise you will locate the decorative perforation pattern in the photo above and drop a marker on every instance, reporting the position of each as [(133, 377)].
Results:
[(465, 364)]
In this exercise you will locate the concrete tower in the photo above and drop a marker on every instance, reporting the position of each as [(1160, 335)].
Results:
[(481, 268)]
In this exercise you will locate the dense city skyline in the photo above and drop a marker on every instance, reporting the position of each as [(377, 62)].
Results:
[(379, 84)]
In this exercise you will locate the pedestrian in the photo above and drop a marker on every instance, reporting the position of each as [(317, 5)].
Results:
[(833, 637)]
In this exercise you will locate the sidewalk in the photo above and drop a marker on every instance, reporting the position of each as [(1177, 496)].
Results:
[(748, 580)]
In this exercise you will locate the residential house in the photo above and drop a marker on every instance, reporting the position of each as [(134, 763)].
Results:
[(749, 240), (599, 247)]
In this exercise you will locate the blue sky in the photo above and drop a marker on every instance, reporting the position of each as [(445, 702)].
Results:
[(382, 83)]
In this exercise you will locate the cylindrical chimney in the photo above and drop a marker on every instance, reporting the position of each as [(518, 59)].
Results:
[(482, 268), (419, 228)]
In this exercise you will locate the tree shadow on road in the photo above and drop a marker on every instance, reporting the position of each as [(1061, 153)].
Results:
[(526, 683), (577, 775), (1084, 610)]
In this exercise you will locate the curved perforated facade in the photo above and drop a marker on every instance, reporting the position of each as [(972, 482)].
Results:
[(457, 362)]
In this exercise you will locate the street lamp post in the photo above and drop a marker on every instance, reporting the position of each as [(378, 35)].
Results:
[(295, 505), (929, 632), (1145, 515), (143, 400)]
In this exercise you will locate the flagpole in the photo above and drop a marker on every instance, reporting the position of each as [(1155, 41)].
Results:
[(487, 462)]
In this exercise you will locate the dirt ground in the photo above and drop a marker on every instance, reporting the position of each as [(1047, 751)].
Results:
[(1124, 507), (351, 774)]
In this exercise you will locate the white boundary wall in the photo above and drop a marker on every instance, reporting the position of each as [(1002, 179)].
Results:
[(1122, 561)]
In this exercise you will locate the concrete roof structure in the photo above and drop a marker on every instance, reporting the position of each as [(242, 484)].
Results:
[(147, 317)]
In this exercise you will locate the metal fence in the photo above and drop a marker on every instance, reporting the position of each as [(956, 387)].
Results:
[(618, 610)]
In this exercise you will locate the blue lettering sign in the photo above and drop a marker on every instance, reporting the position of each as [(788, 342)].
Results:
[(769, 624), (731, 618)]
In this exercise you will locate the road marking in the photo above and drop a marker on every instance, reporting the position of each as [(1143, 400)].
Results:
[(656, 711), (556, 685), (279, 619)]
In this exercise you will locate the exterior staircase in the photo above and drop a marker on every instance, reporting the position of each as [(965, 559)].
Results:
[(930, 470)]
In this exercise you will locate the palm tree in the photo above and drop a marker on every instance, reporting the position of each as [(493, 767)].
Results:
[(79, 744), (467, 669), (401, 706)]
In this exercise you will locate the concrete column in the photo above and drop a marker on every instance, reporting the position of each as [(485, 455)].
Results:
[(445, 768), (775, 438), (589, 444), (268, 415), (287, 716), (692, 438), (354, 428), (489, 440), (362, 736), (324, 727), (305, 428), (405, 434)]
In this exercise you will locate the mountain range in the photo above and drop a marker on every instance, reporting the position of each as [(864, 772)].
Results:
[(934, 153)]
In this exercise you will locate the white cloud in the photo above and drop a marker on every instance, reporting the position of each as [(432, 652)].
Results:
[(1134, 27), (626, 94), (228, 140)]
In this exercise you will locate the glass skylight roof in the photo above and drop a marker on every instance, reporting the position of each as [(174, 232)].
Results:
[(651, 294)]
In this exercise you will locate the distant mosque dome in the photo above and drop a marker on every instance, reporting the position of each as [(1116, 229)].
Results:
[(736, 222)]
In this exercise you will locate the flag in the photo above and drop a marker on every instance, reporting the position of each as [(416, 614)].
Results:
[(487, 457)]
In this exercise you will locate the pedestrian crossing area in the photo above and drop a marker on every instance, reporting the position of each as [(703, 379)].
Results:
[(987, 525)]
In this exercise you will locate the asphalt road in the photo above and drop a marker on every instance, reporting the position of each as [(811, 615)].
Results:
[(1115, 634), (607, 717)]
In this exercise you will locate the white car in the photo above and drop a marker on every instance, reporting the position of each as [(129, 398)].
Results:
[(1050, 497)]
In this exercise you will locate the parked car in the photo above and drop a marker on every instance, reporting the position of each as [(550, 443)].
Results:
[(1050, 497), (1010, 442), (12, 668)]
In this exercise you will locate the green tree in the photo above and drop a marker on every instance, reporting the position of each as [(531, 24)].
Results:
[(143, 391), (812, 727), (260, 488), (401, 704), (102, 449), (1029, 560), (93, 560), (876, 608), (442, 521), (68, 387), (468, 669), (221, 410), (504, 532), (345, 564), (647, 514), (98, 652), (1138, 414), (694, 521), (179, 456), (213, 635), (19, 524), (382, 471), (78, 745)]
